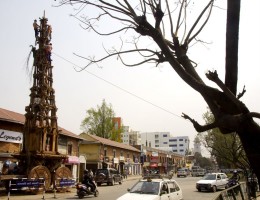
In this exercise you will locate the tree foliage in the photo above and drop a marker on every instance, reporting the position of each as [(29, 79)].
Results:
[(227, 149), (166, 24), (203, 162), (99, 121)]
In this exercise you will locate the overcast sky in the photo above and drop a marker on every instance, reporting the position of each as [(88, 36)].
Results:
[(147, 98)]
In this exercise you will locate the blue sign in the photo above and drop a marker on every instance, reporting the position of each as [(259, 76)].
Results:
[(27, 183), (66, 182)]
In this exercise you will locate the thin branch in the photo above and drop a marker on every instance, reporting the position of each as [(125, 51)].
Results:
[(188, 39)]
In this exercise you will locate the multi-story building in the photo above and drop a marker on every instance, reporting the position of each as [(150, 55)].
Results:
[(179, 144), (163, 140), (130, 137), (155, 139)]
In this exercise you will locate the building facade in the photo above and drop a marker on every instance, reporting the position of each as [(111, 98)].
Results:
[(163, 141), (11, 141), (104, 153)]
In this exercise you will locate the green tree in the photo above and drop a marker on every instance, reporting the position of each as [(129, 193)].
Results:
[(99, 121), (227, 149), (201, 161), (166, 24)]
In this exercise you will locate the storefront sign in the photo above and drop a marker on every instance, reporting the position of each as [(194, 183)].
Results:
[(153, 165), (73, 160), (154, 153), (154, 159), (122, 158), (11, 136)]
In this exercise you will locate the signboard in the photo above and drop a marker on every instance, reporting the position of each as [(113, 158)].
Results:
[(121, 158), (27, 183), (66, 182), (155, 154), (154, 159), (11, 136), (115, 160)]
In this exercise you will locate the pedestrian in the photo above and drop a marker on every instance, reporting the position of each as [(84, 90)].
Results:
[(48, 49), (49, 31), (36, 29)]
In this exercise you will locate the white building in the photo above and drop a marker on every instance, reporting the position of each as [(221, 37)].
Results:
[(130, 137), (179, 144), (155, 139), (164, 141)]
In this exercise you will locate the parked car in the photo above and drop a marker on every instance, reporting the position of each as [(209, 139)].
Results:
[(110, 176), (154, 189), (212, 182), (182, 172)]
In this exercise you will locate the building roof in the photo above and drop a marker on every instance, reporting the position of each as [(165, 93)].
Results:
[(10, 116), (14, 117), (110, 142)]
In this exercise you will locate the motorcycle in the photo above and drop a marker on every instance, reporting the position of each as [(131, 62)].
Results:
[(83, 190), (231, 183)]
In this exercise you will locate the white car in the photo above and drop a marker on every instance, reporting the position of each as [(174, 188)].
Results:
[(154, 189), (212, 182)]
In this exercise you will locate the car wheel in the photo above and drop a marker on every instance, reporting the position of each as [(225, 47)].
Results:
[(199, 189), (214, 188), (120, 182)]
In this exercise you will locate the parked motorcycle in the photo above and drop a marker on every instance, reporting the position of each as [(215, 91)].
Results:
[(83, 190)]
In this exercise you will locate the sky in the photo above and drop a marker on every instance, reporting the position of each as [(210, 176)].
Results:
[(147, 98)]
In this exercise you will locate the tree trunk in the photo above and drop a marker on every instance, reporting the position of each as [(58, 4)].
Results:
[(250, 137)]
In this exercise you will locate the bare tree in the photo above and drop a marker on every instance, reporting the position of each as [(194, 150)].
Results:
[(151, 19)]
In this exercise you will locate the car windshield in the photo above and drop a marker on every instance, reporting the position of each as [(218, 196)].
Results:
[(145, 187), (209, 177)]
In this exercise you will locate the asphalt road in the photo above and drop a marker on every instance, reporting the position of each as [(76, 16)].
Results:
[(112, 192)]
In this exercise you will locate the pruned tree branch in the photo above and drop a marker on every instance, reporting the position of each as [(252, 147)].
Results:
[(199, 128)]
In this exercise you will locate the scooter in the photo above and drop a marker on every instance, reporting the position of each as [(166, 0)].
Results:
[(83, 190)]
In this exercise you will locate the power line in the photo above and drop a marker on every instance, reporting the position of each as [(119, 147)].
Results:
[(120, 88)]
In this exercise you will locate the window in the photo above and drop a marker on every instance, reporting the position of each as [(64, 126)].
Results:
[(165, 135), (180, 139), (173, 145), (70, 149), (173, 187), (105, 152), (181, 150), (114, 153), (156, 141), (156, 145), (165, 142), (181, 145), (172, 140), (156, 136)]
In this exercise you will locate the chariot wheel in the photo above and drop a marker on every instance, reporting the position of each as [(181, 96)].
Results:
[(62, 173), (39, 172)]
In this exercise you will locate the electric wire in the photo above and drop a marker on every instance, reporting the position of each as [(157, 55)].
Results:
[(118, 87)]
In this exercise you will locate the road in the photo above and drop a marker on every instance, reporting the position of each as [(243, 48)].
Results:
[(112, 192)]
